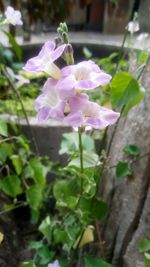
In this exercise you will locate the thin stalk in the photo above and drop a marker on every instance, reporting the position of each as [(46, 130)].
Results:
[(81, 156), (80, 149), (139, 76), (22, 106), (13, 208), (121, 49), (7, 139)]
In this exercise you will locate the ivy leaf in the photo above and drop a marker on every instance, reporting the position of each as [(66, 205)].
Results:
[(123, 169), (34, 195), (125, 91), (3, 128), (70, 143), (17, 163), (35, 245), (135, 101), (45, 228), (5, 151), (45, 255), (89, 160), (11, 185), (99, 209), (95, 262), (144, 245), (39, 171), (132, 150)]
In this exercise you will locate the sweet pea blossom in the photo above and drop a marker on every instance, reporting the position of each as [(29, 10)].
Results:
[(85, 75), (91, 114), (54, 264), (49, 104), (12, 16), (133, 26), (43, 62)]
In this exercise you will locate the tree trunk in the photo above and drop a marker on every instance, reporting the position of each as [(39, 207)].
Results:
[(129, 218)]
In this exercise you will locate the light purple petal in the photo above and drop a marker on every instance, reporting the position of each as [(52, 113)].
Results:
[(54, 264), (48, 48), (67, 70), (43, 114), (58, 52), (86, 85), (103, 78), (87, 75), (74, 119), (96, 123), (45, 58), (66, 87), (49, 104)]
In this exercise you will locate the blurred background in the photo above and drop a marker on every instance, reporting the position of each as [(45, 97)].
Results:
[(105, 16)]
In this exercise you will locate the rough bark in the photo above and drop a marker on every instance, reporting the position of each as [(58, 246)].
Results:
[(129, 219)]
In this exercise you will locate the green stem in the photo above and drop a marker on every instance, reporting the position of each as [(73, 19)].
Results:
[(121, 49), (80, 149), (81, 156)]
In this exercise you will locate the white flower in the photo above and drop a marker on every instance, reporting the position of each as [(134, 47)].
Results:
[(133, 26), (142, 36), (12, 16)]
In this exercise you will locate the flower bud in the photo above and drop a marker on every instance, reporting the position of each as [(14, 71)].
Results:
[(69, 54), (58, 41), (65, 37)]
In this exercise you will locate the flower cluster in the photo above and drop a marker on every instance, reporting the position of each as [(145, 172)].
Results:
[(64, 95)]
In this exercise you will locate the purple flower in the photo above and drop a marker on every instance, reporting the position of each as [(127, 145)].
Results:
[(12, 16), (54, 264), (90, 114), (44, 61), (85, 75), (49, 104)]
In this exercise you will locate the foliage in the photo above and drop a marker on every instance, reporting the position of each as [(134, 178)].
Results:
[(67, 228), (144, 247), (22, 173)]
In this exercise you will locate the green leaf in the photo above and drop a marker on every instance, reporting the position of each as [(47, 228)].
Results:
[(147, 259), (17, 49), (94, 208), (34, 196), (144, 245), (27, 264), (99, 209), (134, 102), (3, 128), (39, 170), (70, 143), (45, 228), (89, 160), (95, 262), (45, 255), (5, 152), (11, 185), (123, 169), (35, 245), (142, 56), (87, 53), (124, 90), (17, 163), (132, 150), (60, 236), (65, 192)]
